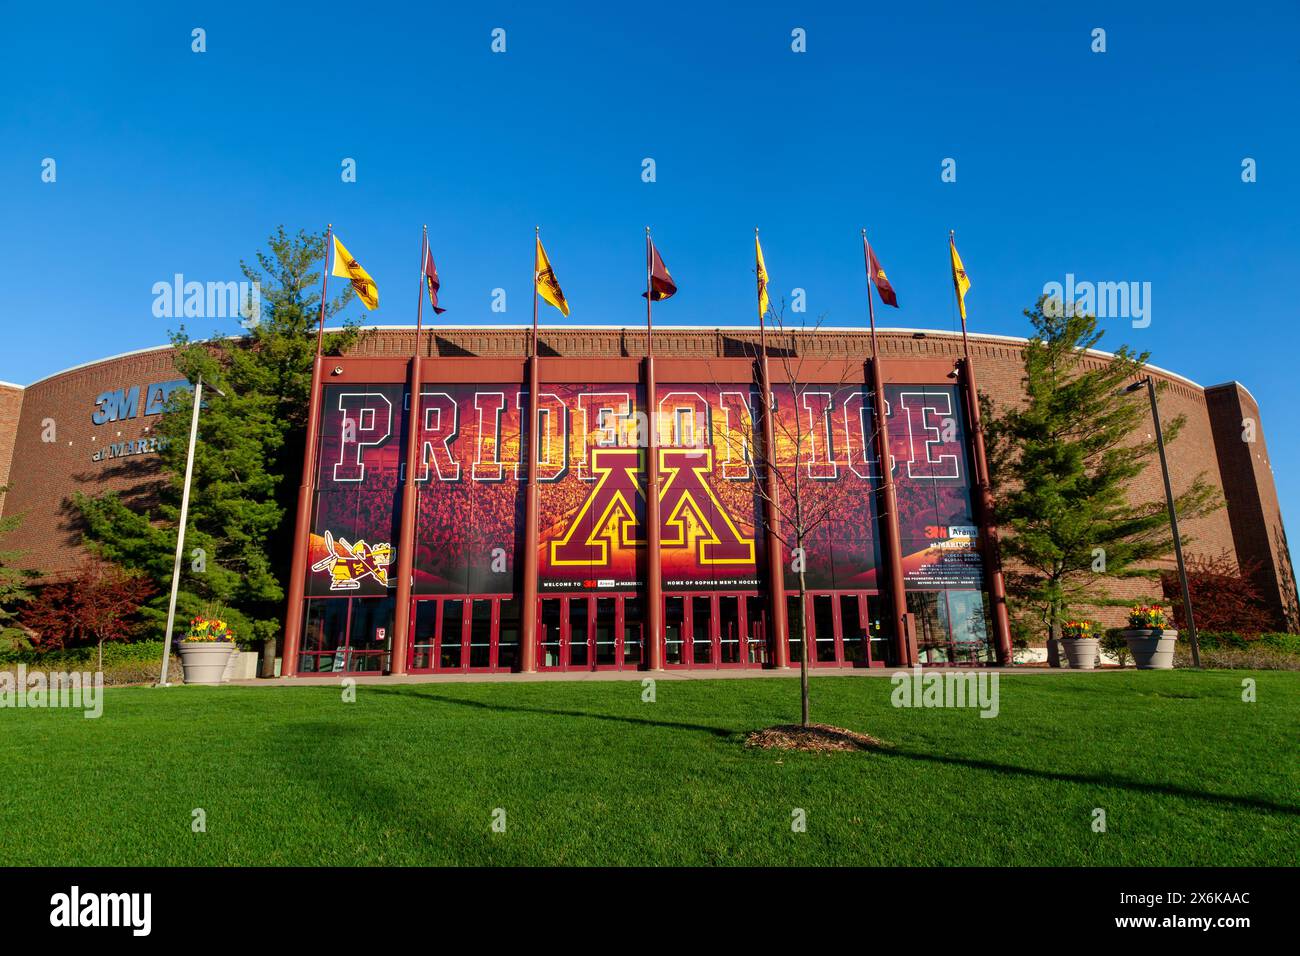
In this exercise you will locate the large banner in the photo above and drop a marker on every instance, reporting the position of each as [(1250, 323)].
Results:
[(593, 502), (469, 525), (932, 481), (828, 431), (353, 547), (591, 461)]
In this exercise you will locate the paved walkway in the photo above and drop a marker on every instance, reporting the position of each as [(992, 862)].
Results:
[(333, 679)]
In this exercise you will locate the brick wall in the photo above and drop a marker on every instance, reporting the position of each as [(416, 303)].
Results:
[(11, 406), (1255, 517), (45, 473)]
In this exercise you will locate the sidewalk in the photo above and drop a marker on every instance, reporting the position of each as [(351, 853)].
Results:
[(333, 679)]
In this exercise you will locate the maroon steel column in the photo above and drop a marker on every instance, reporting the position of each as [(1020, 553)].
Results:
[(528, 638), (992, 557), (406, 543), (301, 530), (653, 572), (775, 564), (904, 640)]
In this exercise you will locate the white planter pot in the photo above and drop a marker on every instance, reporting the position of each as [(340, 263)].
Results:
[(1081, 652), (1152, 648), (229, 673), (204, 662)]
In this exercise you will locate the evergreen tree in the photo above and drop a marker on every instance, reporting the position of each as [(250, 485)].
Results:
[(13, 586), (248, 458), (1064, 466)]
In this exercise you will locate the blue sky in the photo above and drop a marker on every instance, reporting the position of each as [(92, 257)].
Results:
[(1119, 166)]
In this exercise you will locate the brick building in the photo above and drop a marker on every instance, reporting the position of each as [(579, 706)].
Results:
[(89, 429)]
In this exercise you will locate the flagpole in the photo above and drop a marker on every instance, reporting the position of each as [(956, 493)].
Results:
[(654, 573), (779, 640), (419, 298), (302, 521), (406, 542), (992, 556), (529, 636), (537, 231), (961, 312), (905, 641), (762, 326), (649, 277), (324, 286)]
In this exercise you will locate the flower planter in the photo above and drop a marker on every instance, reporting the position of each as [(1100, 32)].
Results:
[(204, 662), (1081, 652), (1152, 648)]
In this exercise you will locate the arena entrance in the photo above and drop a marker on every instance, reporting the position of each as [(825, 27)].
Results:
[(715, 630), (590, 632), (845, 627), (464, 634)]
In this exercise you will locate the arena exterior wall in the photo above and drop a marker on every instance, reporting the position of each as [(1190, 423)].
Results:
[(89, 428)]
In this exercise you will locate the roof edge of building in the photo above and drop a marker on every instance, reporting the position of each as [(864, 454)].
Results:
[(984, 336)]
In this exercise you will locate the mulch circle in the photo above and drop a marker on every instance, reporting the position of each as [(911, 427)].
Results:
[(816, 738)]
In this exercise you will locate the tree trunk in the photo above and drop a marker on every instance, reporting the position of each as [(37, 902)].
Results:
[(100, 668), (803, 635), (268, 657), (1054, 638)]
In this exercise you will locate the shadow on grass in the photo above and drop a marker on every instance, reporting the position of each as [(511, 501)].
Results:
[(326, 762), (1101, 780), (554, 712)]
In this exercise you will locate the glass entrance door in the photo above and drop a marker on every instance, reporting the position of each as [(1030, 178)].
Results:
[(844, 628), (450, 635), (715, 630), (729, 634), (590, 632), (549, 637), (605, 633), (347, 635)]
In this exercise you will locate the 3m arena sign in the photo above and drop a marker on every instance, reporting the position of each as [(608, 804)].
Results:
[(122, 404)]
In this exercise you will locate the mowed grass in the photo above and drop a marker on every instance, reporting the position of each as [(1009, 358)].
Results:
[(1185, 771)]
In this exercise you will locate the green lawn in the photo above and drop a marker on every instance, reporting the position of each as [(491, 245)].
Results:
[(588, 774)]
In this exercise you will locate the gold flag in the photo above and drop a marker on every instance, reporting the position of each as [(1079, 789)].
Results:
[(960, 281), (548, 287), (348, 268), (763, 302)]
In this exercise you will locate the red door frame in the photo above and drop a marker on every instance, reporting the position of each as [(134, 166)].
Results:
[(688, 599), (566, 638), (345, 649), (837, 626), (466, 630)]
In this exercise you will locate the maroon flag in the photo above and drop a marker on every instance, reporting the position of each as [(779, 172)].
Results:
[(431, 280), (877, 275), (661, 283)]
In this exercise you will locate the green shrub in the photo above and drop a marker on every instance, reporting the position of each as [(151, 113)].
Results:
[(1216, 639), (76, 658), (1113, 643), (1287, 643), (1231, 640), (1257, 656)]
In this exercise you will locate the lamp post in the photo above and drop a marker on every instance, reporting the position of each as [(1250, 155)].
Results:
[(1150, 385), (180, 530)]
